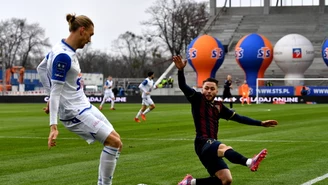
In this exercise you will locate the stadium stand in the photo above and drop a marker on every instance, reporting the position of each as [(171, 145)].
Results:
[(233, 23)]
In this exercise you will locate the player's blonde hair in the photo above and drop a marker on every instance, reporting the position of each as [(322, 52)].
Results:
[(76, 22)]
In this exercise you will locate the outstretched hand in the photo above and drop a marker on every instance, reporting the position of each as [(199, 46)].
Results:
[(269, 123), (179, 62), (52, 136)]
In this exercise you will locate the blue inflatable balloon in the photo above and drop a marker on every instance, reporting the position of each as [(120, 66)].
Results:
[(324, 51), (254, 54)]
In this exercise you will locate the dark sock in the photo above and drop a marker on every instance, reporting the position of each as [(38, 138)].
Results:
[(235, 157), (209, 181), (231, 105)]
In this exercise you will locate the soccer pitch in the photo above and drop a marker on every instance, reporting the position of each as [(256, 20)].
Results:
[(160, 151)]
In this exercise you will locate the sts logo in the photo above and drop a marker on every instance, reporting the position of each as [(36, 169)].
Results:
[(264, 52), (79, 82), (297, 53), (192, 53), (217, 53), (325, 53), (251, 91), (239, 52)]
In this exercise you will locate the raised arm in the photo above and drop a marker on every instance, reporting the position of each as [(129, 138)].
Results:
[(187, 91), (180, 64)]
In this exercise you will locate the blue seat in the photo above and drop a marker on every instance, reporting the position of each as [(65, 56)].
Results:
[(14, 81), (27, 81), (35, 82)]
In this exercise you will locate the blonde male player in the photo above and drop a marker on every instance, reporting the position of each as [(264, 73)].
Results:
[(245, 93), (146, 87), (108, 93), (59, 74)]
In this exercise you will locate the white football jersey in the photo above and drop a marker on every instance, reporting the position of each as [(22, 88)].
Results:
[(64, 68), (109, 85), (146, 86)]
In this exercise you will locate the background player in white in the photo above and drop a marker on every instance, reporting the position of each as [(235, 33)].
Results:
[(60, 75), (108, 93), (146, 87)]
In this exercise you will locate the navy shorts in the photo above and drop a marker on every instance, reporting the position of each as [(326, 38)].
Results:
[(207, 154), (226, 94)]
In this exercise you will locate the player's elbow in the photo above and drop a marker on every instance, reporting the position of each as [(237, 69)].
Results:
[(39, 69)]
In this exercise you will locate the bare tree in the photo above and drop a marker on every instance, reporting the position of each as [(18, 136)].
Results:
[(89, 60), (20, 40), (135, 51), (11, 39), (34, 43), (177, 22)]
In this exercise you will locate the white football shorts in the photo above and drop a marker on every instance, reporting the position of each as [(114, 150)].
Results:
[(91, 125), (147, 101), (109, 94)]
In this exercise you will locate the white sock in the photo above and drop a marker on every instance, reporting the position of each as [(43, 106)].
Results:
[(146, 111), (99, 175), (193, 182), (248, 162), (107, 165), (137, 116), (112, 103), (103, 101), (118, 155)]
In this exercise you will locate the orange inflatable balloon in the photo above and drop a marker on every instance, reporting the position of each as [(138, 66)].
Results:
[(205, 54)]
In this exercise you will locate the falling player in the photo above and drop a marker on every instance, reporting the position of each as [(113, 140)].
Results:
[(108, 93), (206, 113), (59, 74), (146, 87), (245, 93)]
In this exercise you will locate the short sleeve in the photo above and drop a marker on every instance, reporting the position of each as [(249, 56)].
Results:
[(144, 82), (60, 66)]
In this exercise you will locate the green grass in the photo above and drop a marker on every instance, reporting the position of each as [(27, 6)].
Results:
[(160, 150)]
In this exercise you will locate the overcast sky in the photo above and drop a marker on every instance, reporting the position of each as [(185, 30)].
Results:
[(111, 17)]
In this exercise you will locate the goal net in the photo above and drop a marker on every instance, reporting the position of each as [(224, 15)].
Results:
[(291, 90)]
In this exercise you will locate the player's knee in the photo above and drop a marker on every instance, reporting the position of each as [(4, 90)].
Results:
[(222, 148), (226, 180), (152, 106), (113, 140), (117, 143), (121, 146)]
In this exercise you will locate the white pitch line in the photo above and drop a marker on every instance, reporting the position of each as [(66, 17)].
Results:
[(313, 181), (229, 140), (177, 139), (27, 137)]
